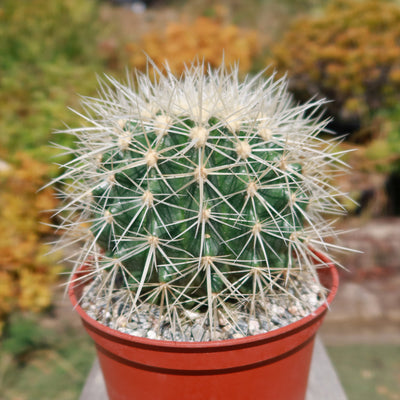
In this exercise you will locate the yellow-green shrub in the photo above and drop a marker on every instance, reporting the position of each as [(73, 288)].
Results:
[(350, 53), (208, 38), (40, 30), (383, 152), (26, 273), (48, 53)]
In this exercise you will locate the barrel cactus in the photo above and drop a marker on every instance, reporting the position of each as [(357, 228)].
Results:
[(199, 195)]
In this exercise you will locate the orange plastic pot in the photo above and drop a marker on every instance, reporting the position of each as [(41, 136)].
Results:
[(273, 365)]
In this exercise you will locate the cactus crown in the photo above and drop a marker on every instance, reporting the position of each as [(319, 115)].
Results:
[(199, 193)]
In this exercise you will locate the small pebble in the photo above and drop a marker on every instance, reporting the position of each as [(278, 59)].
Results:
[(151, 334), (293, 310), (122, 321), (197, 332), (253, 325), (191, 315)]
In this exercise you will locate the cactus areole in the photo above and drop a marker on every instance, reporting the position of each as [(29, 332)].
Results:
[(199, 194)]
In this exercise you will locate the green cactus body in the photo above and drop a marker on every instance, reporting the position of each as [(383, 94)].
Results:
[(207, 201), (201, 191)]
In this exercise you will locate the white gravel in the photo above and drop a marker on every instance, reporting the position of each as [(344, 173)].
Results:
[(278, 312)]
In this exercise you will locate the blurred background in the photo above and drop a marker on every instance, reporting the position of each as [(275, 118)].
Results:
[(347, 51)]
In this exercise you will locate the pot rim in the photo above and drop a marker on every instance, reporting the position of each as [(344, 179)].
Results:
[(214, 345)]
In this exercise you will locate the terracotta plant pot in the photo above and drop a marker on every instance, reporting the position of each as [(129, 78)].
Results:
[(273, 365)]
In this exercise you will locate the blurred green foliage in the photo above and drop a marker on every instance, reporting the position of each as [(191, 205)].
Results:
[(383, 151), (24, 335), (37, 359), (49, 52), (39, 31)]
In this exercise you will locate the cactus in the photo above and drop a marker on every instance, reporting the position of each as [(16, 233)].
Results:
[(199, 193)]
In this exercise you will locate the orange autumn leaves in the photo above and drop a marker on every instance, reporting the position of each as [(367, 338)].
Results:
[(350, 54), (206, 38), (26, 272)]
